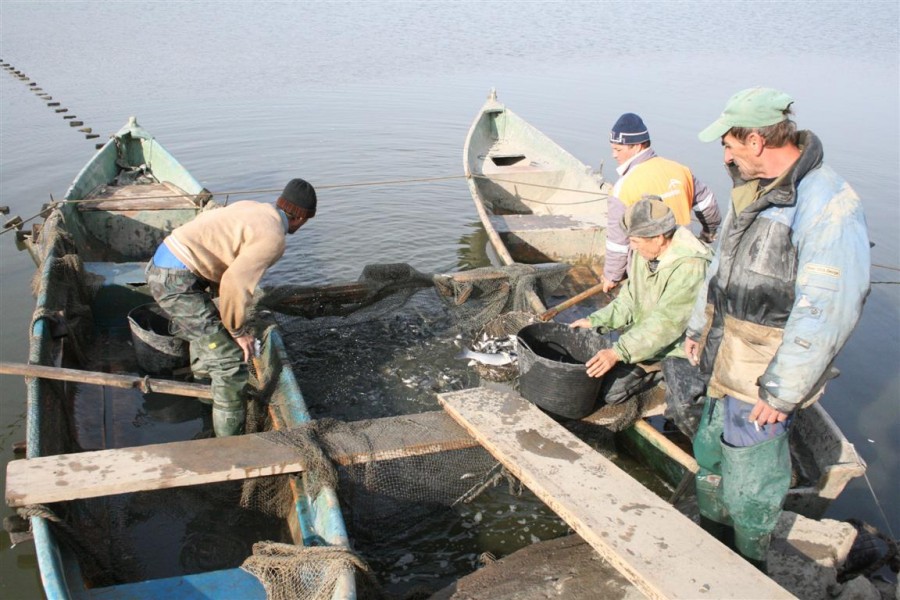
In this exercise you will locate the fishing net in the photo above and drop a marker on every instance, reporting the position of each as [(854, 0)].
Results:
[(290, 572), (484, 294), (393, 501), (398, 477), (474, 297)]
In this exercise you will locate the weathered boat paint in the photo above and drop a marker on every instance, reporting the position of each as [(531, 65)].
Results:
[(114, 244)]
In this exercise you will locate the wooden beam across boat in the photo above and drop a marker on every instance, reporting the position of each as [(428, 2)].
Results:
[(102, 472), (177, 464), (661, 551)]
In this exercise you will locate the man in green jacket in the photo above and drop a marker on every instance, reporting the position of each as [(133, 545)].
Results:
[(652, 310)]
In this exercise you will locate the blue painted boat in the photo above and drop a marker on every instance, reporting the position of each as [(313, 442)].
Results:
[(91, 251)]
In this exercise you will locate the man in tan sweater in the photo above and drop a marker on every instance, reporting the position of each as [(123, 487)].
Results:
[(231, 247)]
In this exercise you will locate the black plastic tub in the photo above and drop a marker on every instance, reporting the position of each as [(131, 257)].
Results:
[(552, 374), (158, 352)]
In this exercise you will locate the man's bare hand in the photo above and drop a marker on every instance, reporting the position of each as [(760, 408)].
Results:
[(580, 324), (692, 349), (602, 362), (607, 284), (708, 237), (763, 414), (246, 344)]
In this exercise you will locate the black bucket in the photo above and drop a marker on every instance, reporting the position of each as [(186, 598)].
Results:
[(552, 374), (158, 352)]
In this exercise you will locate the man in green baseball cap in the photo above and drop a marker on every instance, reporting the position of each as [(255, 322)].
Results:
[(754, 107), (785, 291)]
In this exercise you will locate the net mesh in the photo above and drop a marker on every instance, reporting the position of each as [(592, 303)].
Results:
[(290, 572), (391, 501), (394, 501), (475, 297)]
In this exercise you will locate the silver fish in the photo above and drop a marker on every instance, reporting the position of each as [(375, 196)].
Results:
[(502, 358)]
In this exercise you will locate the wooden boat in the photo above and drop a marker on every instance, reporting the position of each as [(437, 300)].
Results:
[(91, 251), (539, 203)]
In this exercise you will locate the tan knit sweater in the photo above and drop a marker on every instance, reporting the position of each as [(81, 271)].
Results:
[(232, 246)]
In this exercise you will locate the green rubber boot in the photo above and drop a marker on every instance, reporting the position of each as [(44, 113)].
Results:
[(714, 517), (228, 422), (757, 479), (223, 359)]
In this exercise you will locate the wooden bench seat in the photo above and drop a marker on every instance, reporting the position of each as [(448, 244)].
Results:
[(149, 196)]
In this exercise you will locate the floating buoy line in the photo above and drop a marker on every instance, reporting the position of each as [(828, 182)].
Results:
[(38, 91)]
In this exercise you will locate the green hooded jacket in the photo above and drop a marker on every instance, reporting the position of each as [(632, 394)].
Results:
[(653, 308)]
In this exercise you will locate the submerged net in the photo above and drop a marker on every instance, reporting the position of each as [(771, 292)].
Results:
[(390, 499)]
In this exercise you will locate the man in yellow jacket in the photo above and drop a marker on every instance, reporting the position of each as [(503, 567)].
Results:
[(231, 248), (642, 172)]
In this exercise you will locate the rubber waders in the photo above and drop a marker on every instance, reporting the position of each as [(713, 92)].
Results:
[(220, 355), (708, 452), (757, 479)]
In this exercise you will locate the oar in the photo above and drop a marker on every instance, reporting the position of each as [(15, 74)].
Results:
[(145, 384), (591, 291)]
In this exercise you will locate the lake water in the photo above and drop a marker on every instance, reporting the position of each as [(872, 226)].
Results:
[(249, 95)]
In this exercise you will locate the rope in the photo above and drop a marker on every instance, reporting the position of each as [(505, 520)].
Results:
[(547, 187), (38, 510), (54, 205), (878, 504), (886, 267), (45, 212)]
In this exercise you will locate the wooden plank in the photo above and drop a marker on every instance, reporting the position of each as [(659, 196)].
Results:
[(153, 467), (176, 464), (658, 549)]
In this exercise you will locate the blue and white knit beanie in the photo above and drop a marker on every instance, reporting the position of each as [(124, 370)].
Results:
[(629, 129)]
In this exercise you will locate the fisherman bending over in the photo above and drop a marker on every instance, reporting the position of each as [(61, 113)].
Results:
[(231, 248), (653, 308)]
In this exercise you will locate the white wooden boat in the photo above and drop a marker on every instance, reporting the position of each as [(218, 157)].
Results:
[(538, 203)]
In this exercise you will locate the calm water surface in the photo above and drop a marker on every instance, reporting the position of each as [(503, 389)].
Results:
[(249, 95)]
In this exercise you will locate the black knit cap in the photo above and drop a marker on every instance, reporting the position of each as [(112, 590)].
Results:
[(302, 196)]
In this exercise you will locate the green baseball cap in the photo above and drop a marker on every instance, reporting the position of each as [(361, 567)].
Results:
[(753, 107)]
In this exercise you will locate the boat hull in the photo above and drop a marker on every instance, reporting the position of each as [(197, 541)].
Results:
[(91, 253)]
